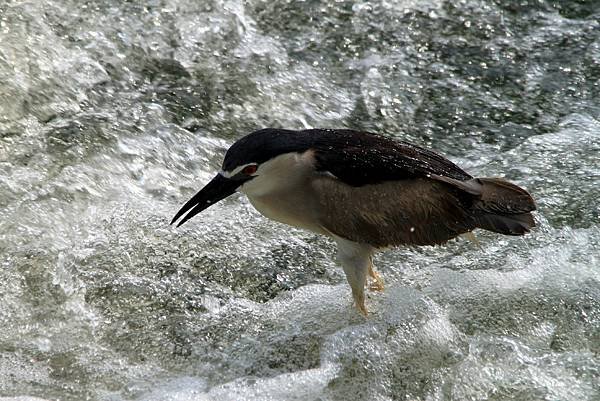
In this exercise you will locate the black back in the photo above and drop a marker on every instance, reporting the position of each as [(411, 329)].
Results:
[(356, 158)]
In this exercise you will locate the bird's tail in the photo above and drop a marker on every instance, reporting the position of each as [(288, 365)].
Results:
[(497, 205), (503, 207)]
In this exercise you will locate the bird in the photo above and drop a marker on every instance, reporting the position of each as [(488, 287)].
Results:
[(368, 192)]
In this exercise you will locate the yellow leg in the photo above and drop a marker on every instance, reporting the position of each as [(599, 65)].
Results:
[(359, 301), (377, 284), (471, 237), (355, 260)]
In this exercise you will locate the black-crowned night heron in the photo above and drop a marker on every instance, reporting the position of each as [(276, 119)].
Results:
[(365, 191)]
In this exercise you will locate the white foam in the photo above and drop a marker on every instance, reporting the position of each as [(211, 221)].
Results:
[(295, 386), (22, 398)]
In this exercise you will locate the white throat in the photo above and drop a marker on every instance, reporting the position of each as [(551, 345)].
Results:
[(279, 174)]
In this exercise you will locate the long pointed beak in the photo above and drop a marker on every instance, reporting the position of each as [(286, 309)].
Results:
[(218, 188)]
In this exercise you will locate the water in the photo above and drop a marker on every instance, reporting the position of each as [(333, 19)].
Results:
[(113, 113)]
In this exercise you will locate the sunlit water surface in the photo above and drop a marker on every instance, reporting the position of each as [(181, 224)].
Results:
[(113, 113)]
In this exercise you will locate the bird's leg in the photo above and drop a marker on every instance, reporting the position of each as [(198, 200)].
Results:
[(471, 237), (377, 284), (355, 260), (356, 274)]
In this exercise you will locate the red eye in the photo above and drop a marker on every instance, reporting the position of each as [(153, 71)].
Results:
[(249, 170)]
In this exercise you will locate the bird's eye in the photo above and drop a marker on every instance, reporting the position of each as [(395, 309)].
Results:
[(249, 170)]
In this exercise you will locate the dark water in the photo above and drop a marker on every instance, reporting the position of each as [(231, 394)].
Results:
[(113, 113)]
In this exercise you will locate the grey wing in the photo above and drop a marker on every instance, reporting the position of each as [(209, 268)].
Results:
[(417, 211)]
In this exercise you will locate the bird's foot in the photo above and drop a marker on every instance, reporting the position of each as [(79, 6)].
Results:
[(377, 286), (359, 302), (362, 309), (377, 283)]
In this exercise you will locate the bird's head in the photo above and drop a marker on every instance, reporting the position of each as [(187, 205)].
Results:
[(254, 164)]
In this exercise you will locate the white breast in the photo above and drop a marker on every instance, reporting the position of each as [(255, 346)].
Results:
[(282, 192)]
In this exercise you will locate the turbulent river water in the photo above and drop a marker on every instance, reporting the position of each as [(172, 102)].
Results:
[(113, 113)]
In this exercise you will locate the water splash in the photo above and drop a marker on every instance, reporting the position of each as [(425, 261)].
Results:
[(112, 114)]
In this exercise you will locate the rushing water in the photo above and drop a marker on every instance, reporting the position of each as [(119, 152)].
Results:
[(112, 113)]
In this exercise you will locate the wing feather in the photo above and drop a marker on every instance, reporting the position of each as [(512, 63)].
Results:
[(418, 211), (360, 158)]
